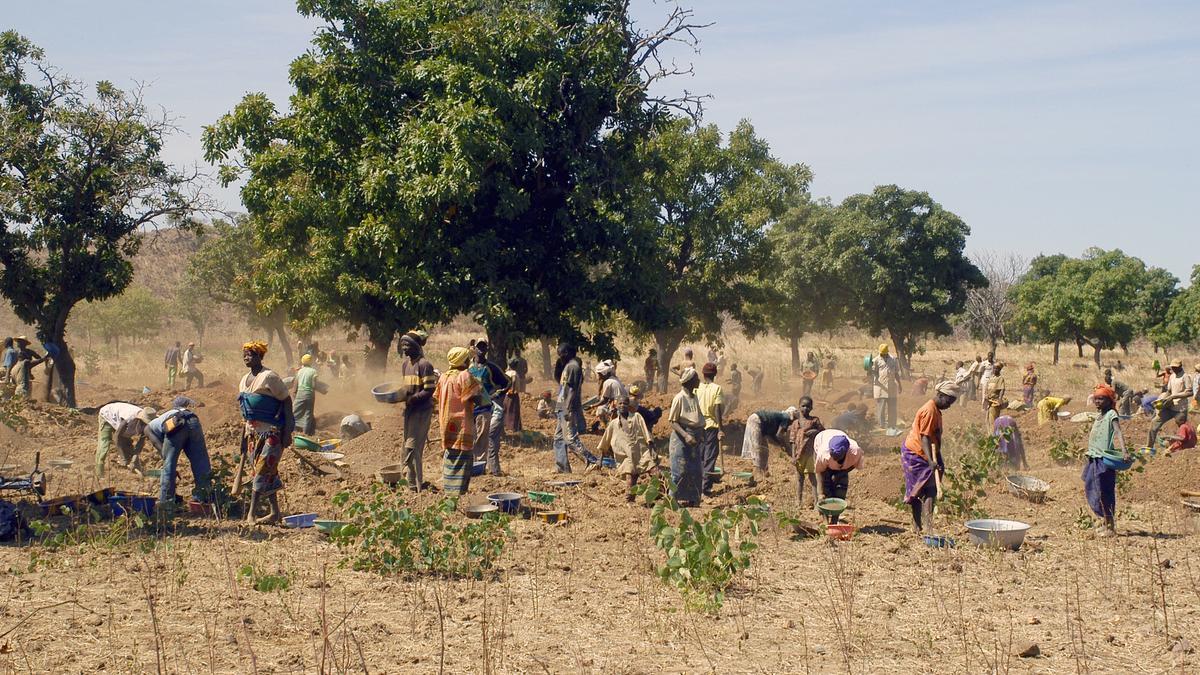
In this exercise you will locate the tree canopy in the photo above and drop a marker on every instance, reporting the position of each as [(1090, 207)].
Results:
[(80, 177)]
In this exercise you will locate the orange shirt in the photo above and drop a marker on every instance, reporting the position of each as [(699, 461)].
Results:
[(927, 423), (456, 417)]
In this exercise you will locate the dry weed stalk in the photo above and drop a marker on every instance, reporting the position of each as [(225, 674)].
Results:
[(839, 600)]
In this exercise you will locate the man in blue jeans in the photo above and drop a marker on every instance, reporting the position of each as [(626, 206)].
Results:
[(178, 430), (569, 410)]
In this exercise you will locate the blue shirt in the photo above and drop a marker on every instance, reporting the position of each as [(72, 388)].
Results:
[(10, 357), (155, 430)]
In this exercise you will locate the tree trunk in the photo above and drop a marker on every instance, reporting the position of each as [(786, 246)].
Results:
[(381, 337), (1096, 356), (1079, 347), (547, 360), (64, 362), (1056, 352), (278, 329), (666, 343), (992, 341), (903, 351), (498, 346), (795, 344)]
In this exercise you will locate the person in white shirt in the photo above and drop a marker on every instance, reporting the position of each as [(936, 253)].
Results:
[(191, 357), (611, 390), (885, 375), (123, 422), (835, 455)]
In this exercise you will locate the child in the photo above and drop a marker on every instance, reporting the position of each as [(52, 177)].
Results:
[(545, 406)]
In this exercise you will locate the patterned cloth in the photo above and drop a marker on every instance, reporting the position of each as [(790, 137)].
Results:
[(456, 471), (264, 439), (686, 470), (456, 415), (918, 474)]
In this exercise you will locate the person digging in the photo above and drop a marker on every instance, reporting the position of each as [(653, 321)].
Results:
[(921, 457), (835, 455)]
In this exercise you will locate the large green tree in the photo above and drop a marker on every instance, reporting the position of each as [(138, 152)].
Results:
[(80, 178), (901, 254), (804, 293), (711, 204), (1181, 323), (1100, 300), (452, 156), (222, 272)]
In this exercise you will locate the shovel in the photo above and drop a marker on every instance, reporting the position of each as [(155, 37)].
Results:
[(237, 476)]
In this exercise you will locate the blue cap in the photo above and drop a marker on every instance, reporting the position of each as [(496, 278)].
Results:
[(839, 446)]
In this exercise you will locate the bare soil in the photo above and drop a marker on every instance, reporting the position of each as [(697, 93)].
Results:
[(584, 597)]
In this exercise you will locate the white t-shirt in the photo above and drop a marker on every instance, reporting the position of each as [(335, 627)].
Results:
[(612, 389), (823, 459), (118, 413)]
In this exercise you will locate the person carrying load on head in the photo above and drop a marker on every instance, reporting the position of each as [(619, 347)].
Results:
[(266, 406)]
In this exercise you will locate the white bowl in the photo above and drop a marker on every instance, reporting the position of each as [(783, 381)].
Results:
[(996, 533)]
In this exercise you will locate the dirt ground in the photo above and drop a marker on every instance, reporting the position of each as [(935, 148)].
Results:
[(584, 597)]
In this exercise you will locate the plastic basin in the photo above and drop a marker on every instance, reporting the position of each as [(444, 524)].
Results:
[(331, 444), (542, 497), (392, 474), (480, 510), (840, 531), (508, 502), (937, 541), (608, 462), (1028, 487), (995, 533), (305, 443), (328, 526), (124, 504), (300, 520), (389, 392), (553, 517), (1118, 464), (478, 468), (563, 483), (832, 506)]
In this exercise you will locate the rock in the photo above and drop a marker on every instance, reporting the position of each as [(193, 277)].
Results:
[(820, 649), (1033, 621), (1182, 646), (1028, 650), (791, 624), (96, 620)]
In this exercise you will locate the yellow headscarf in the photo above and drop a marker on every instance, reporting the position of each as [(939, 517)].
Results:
[(306, 360), (256, 346), (883, 350), (458, 357)]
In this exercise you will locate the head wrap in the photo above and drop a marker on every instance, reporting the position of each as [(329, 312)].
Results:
[(1102, 390), (481, 345), (547, 394), (792, 411), (182, 402), (412, 338), (839, 446), (883, 350), (306, 360), (605, 367), (1177, 363), (458, 357), (709, 369), (688, 375), (417, 335), (948, 388), (255, 346)]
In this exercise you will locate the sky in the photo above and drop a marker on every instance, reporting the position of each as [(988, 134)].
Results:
[(1047, 126)]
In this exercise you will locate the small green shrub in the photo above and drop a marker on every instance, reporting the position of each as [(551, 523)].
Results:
[(976, 465), (704, 556), (263, 582), (387, 537), (1063, 451)]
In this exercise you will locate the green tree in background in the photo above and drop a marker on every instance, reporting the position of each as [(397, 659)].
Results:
[(711, 205), (80, 177), (1181, 325), (135, 314), (902, 255), (805, 294), (222, 272), (445, 157)]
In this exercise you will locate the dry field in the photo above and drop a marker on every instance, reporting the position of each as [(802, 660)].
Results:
[(584, 597)]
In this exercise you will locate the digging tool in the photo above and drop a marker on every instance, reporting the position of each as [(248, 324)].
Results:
[(1188, 493), (237, 476), (937, 476)]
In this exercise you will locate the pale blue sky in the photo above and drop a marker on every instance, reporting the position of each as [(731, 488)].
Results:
[(1048, 126)]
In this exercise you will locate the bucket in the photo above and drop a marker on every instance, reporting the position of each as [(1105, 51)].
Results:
[(508, 502), (300, 520)]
